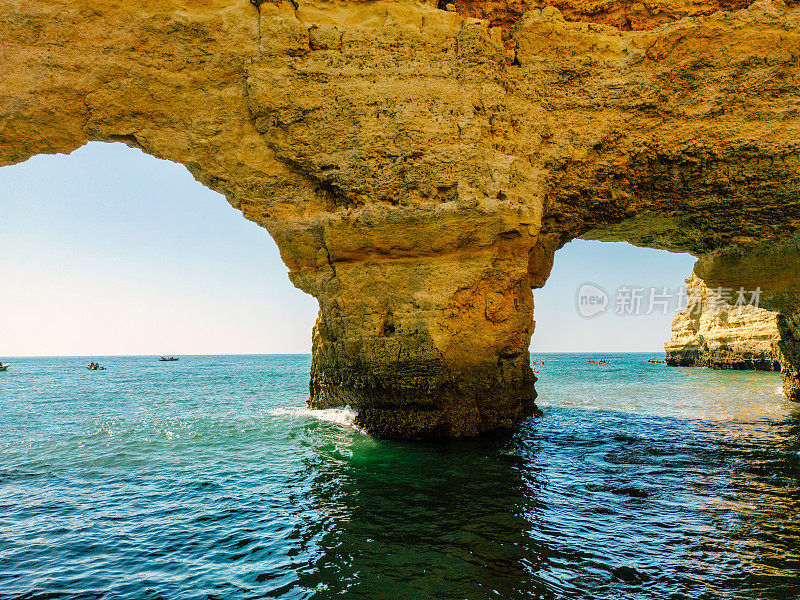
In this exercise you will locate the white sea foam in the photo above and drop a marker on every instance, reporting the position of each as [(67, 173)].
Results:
[(340, 416), (779, 391)]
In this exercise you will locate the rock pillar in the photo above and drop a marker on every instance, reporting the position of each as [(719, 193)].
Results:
[(425, 344)]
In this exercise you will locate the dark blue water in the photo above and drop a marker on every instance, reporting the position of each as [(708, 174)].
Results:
[(206, 478)]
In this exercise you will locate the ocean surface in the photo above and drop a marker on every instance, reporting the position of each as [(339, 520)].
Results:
[(208, 478)]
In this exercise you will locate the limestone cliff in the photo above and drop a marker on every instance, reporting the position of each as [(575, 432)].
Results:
[(419, 168), (645, 14), (713, 332), (776, 268)]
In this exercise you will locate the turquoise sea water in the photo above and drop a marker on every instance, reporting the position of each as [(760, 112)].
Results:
[(206, 478)]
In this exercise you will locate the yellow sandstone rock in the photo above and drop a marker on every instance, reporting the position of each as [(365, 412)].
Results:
[(714, 332), (418, 167)]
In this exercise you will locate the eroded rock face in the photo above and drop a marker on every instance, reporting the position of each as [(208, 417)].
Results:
[(714, 332), (623, 15), (775, 266), (419, 169), (427, 346)]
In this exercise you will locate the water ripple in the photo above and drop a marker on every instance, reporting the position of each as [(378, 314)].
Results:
[(157, 482)]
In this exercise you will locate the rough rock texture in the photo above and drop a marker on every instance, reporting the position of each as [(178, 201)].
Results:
[(714, 332), (418, 169), (645, 14), (775, 267)]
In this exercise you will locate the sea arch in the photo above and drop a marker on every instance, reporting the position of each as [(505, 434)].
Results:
[(418, 169)]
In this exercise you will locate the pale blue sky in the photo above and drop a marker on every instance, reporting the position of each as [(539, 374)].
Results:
[(610, 266), (111, 251)]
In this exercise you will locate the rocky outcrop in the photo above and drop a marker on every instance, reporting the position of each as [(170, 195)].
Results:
[(718, 329), (775, 267), (419, 169)]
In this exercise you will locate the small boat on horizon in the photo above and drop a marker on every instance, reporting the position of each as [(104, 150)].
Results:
[(93, 366), (165, 359), (4, 367)]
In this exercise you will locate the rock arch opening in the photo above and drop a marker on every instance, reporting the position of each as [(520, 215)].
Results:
[(741, 298), (609, 297), (109, 251)]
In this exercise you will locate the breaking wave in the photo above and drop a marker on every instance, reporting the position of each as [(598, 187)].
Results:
[(340, 416)]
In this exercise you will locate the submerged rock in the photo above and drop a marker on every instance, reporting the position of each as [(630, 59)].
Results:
[(631, 492), (628, 575)]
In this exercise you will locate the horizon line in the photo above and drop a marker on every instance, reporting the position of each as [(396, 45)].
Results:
[(10, 356)]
